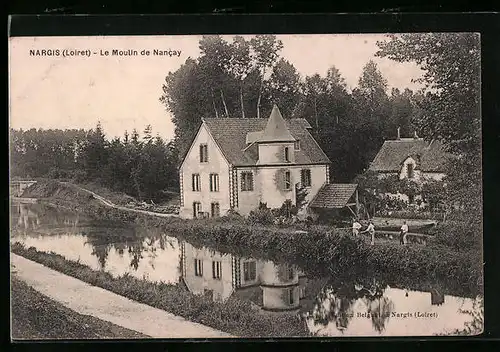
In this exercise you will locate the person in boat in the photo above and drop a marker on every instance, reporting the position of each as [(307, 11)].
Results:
[(356, 226), (403, 233), (371, 230)]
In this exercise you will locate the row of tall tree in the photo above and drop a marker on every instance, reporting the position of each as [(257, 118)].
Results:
[(244, 77), (139, 166), (451, 110)]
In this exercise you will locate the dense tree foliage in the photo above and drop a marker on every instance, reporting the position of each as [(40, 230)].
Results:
[(245, 76), (139, 167), (450, 110)]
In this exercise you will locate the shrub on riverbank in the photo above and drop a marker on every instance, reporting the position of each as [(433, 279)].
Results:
[(321, 250), (323, 253), (458, 236), (235, 316)]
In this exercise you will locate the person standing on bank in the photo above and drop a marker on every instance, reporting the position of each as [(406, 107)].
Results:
[(371, 230), (356, 226), (404, 232)]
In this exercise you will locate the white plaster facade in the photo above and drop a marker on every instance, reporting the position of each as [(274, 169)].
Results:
[(275, 173), (217, 164)]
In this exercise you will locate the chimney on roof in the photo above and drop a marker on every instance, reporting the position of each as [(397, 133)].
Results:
[(399, 135), (415, 135)]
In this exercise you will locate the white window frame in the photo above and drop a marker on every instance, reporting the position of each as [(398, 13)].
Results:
[(203, 153), (217, 269), (198, 267), (212, 209), (214, 182), (196, 182), (197, 209)]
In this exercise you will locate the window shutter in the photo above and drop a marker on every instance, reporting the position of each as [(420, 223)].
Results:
[(192, 177), (250, 177), (302, 177), (211, 183)]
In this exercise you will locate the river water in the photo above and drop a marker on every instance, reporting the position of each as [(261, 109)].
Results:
[(329, 307)]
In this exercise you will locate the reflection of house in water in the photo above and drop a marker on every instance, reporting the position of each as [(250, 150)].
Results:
[(272, 287)]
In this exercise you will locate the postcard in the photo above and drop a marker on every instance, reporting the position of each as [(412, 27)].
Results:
[(245, 186)]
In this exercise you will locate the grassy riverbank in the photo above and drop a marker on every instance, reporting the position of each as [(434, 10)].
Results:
[(237, 317), (35, 316), (449, 258)]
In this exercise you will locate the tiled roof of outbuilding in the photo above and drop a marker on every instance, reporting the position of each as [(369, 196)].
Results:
[(333, 195)]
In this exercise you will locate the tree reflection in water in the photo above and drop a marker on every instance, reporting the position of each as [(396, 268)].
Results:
[(136, 240), (336, 300)]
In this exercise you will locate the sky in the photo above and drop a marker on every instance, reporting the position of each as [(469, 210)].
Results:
[(122, 92)]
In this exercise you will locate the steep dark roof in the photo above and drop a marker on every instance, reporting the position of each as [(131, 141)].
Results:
[(431, 157), (333, 195), (276, 129), (230, 134)]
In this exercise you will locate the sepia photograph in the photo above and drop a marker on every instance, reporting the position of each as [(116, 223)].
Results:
[(245, 186)]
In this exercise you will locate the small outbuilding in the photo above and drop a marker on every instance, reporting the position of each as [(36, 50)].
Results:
[(336, 201)]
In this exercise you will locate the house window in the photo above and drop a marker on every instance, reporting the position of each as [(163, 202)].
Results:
[(305, 177), (287, 154), (291, 298), (296, 145), (302, 292), (214, 182), (198, 267), (291, 273), (196, 209), (288, 181), (203, 153), (247, 181), (215, 210), (216, 270), (196, 182), (410, 170), (249, 271)]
